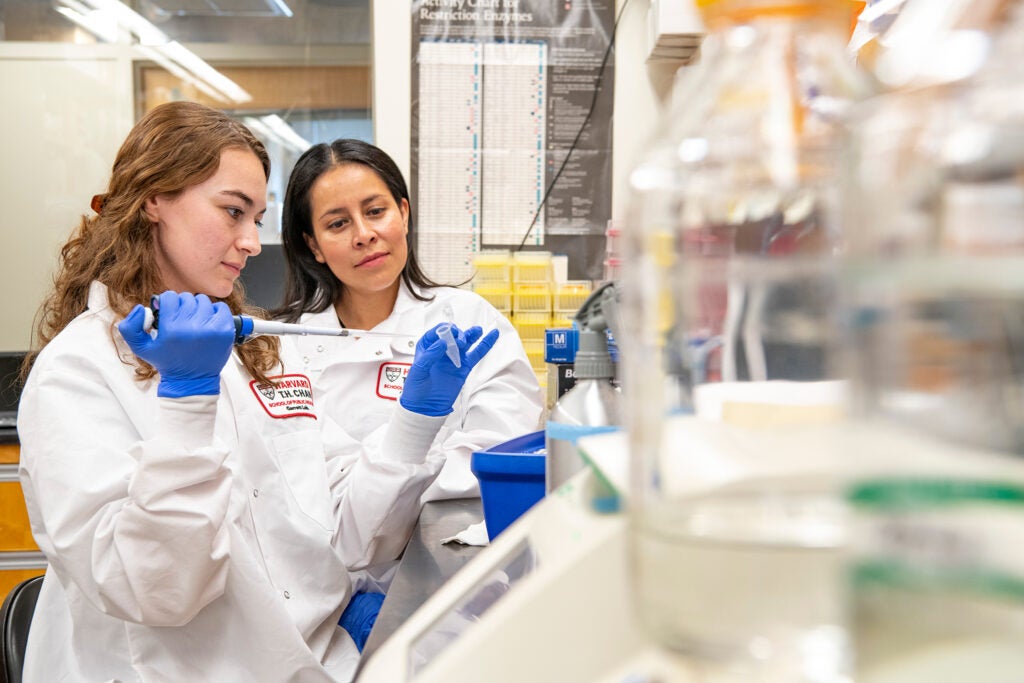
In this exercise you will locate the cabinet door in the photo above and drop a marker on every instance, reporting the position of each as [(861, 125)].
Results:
[(15, 533), (9, 453), (9, 578), (19, 556)]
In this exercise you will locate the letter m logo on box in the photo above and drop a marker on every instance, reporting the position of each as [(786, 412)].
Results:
[(560, 345)]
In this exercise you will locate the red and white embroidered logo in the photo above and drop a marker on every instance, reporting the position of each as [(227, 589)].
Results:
[(288, 396), (391, 380)]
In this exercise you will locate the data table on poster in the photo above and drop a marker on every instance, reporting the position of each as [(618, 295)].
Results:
[(481, 149)]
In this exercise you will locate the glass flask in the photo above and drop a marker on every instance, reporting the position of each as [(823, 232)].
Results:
[(733, 369), (936, 307)]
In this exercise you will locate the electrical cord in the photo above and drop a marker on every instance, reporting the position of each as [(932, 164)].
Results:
[(579, 133)]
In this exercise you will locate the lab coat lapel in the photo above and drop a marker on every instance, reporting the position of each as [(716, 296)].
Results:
[(409, 318)]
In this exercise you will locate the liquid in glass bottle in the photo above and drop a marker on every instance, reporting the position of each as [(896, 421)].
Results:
[(732, 370)]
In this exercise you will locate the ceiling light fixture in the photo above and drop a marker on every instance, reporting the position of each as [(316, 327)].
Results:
[(155, 44), (282, 7)]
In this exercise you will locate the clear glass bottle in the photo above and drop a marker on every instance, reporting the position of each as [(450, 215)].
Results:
[(936, 301), (730, 367)]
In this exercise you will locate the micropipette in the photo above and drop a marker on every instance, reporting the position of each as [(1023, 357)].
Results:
[(247, 327)]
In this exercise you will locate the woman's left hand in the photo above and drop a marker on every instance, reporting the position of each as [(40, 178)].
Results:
[(433, 382)]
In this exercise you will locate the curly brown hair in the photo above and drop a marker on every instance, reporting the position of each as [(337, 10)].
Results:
[(173, 147)]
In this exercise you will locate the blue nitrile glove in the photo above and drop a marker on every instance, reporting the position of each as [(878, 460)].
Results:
[(360, 615), (433, 382), (191, 346)]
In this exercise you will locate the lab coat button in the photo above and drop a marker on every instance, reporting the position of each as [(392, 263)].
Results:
[(305, 359), (320, 348), (255, 493), (378, 352), (287, 595), (411, 344)]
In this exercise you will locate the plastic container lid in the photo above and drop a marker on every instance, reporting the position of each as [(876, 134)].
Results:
[(496, 460)]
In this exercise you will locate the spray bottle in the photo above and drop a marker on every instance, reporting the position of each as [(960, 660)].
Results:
[(592, 406)]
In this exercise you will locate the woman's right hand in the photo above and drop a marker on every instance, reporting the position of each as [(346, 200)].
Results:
[(191, 346)]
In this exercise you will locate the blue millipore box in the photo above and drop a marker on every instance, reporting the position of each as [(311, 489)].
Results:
[(511, 477), (560, 344)]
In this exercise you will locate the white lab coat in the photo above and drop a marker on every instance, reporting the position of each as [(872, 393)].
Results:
[(202, 538), (359, 380)]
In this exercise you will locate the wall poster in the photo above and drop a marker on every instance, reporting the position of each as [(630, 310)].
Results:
[(500, 90)]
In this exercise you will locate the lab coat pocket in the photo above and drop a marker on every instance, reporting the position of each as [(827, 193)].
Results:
[(300, 457)]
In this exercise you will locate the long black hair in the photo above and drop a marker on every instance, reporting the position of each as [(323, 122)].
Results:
[(311, 286)]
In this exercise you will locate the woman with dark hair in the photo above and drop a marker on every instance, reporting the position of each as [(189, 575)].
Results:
[(349, 245), (198, 510)]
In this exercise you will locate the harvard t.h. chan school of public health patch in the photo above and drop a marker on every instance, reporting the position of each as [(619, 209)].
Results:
[(286, 396), (391, 380)]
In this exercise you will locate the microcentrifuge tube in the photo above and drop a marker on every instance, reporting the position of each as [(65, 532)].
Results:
[(444, 332)]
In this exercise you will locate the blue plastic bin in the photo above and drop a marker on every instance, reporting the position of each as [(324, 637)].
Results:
[(511, 479)]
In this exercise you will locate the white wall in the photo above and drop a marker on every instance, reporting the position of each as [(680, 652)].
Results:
[(67, 108), (642, 91)]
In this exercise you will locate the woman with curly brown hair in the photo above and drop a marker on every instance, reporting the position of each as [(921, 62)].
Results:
[(199, 512)]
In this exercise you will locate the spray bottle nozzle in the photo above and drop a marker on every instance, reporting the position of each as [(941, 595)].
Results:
[(596, 315)]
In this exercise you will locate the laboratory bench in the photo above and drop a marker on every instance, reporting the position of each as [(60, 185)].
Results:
[(426, 564)]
